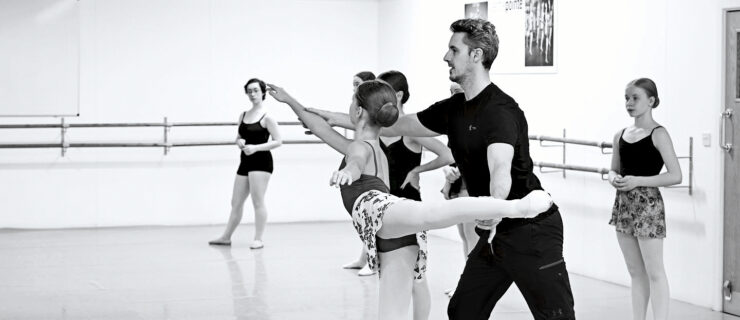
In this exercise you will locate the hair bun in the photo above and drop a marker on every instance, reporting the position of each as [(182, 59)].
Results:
[(387, 115)]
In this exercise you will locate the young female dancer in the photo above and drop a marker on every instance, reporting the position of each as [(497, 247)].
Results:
[(361, 262), (404, 165), (387, 224), (640, 151), (361, 77), (255, 168)]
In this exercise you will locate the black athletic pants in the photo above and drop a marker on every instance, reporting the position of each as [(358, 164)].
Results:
[(527, 252)]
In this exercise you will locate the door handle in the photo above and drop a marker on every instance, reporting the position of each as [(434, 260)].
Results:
[(726, 115), (727, 290)]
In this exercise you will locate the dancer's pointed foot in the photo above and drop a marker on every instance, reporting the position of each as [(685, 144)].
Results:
[(257, 244), (354, 265), (220, 242), (366, 271), (534, 203)]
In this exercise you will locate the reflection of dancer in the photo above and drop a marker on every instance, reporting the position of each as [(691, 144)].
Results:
[(488, 136), (404, 165), (382, 220), (255, 168), (247, 305), (638, 214)]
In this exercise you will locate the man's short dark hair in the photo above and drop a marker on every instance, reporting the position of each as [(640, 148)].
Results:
[(481, 34)]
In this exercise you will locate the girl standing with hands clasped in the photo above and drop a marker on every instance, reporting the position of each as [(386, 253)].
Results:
[(640, 151), (255, 168)]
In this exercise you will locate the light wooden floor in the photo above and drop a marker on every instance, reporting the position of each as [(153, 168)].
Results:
[(171, 273)]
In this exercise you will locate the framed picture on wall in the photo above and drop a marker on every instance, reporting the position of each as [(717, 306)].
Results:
[(527, 35), (476, 10)]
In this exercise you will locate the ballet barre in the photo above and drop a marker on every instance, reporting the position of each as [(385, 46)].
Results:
[(561, 142), (602, 171), (166, 144), (121, 125), (563, 167)]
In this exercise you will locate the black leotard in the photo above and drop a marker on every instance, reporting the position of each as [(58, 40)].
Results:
[(254, 133), (365, 183), (639, 158), (401, 160)]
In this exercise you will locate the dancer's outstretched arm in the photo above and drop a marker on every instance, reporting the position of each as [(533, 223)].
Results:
[(406, 217), (337, 119), (357, 155), (313, 122), (406, 125)]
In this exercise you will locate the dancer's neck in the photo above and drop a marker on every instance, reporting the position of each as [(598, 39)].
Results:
[(366, 132), (645, 121)]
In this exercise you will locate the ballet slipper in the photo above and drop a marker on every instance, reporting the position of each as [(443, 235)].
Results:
[(536, 202), (354, 265), (219, 242), (257, 244), (366, 271)]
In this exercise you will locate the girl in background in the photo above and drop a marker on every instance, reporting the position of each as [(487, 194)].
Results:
[(640, 151), (255, 167)]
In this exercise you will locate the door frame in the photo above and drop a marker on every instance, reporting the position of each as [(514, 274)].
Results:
[(723, 73)]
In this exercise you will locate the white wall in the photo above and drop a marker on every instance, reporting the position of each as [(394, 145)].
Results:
[(601, 48), (188, 60)]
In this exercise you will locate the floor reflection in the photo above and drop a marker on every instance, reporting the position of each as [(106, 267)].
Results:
[(248, 304)]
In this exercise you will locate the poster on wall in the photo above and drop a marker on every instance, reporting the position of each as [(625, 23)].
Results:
[(526, 32), (476, 10)]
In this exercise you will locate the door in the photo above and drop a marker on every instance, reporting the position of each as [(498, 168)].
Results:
[(729, 133)]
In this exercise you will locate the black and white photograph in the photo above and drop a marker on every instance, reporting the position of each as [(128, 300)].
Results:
[(369, 160), (477, 10), (528, 28), (539, 36)]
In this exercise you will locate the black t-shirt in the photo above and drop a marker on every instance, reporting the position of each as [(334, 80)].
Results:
[(471, 126)]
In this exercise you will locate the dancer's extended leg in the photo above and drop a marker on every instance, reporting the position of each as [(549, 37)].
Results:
[(407, 217)]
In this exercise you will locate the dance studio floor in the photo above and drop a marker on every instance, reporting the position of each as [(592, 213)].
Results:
[(171, 273)]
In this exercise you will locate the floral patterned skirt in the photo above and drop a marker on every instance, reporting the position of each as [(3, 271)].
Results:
[(640, 213), (367, 218)]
